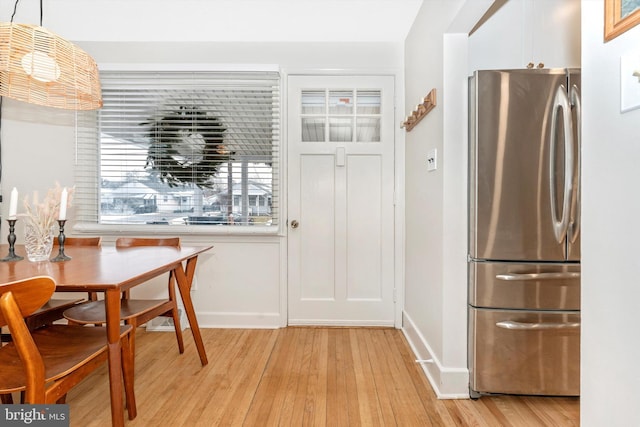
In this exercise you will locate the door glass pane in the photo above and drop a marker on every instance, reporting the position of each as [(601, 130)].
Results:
[(313, 102), (341, 102), (368, 129), (313, 129), (340, 129), (368, 102), (345, 108), (368, 116)]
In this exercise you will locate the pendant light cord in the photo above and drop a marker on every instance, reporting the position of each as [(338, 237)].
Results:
[(15, 8)]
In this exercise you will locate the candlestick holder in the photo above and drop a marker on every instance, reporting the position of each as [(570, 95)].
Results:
[(11, 238), (61, 255)]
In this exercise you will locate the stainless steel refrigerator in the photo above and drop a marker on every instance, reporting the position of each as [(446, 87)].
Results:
[(524, 232)]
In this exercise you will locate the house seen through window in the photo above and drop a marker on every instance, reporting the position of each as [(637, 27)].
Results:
[(181, 148)]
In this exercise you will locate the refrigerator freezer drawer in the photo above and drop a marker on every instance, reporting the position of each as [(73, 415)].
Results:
[(519, 352), (524, 286)]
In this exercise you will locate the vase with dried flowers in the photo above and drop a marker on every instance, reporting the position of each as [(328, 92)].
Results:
[(40, 219)]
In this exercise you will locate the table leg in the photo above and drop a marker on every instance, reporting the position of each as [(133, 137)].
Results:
[(112, 307), (184, 280)]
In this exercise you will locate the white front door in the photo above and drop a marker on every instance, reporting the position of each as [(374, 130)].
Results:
[(340, 200)]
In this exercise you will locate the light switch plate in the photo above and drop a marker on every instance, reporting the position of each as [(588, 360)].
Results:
[(629, 82), (432, 160)]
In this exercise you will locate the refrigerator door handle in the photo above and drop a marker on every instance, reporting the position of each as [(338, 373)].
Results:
[(539, 276), (574, 227), (561, 225), (510, 324)]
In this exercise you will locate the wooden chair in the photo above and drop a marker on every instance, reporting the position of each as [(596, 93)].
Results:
[(46, 363), (79, 241), (135, 312), (53, 309)]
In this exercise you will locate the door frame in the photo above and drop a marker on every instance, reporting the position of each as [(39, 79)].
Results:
[(399, 181)]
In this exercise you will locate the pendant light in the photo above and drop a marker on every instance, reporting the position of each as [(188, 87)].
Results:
[(40, 67)]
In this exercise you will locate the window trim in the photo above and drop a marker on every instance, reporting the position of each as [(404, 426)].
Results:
[(83, 227)]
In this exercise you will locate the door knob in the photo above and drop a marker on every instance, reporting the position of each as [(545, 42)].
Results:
[(294, 224)]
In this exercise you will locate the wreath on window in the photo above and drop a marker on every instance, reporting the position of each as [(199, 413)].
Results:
[(187, 147)]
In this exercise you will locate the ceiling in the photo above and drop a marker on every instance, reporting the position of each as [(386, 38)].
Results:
[(222, 20)]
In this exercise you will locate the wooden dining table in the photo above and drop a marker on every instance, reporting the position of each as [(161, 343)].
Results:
[(111, 271)]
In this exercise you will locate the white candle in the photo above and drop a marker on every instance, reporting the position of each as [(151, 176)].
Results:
[(63, 205), (13, 204)]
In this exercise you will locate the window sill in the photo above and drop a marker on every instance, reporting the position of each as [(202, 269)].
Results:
[(182, 230)]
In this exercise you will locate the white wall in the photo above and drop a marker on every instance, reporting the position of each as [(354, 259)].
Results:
[(439, 54), (427, 302), (38, 149), (611, 231), (311, 56)]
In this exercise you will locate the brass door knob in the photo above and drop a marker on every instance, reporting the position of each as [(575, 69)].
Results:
[(294, 224)]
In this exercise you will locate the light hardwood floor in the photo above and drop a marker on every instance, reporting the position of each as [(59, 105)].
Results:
[(298, 377)]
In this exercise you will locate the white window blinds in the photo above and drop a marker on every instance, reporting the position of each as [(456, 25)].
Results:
[(181, 148)]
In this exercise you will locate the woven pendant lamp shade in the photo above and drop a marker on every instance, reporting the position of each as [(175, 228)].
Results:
[(39, 67)]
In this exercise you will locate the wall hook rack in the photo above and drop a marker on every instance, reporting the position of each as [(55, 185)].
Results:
[(428, 103)]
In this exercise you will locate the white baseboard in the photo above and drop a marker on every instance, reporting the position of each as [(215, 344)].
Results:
[(346, 323), (240, 320), (219, 320), (447, 383)]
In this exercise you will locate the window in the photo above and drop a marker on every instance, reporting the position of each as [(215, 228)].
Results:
[(181, 148), (331, 113)]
